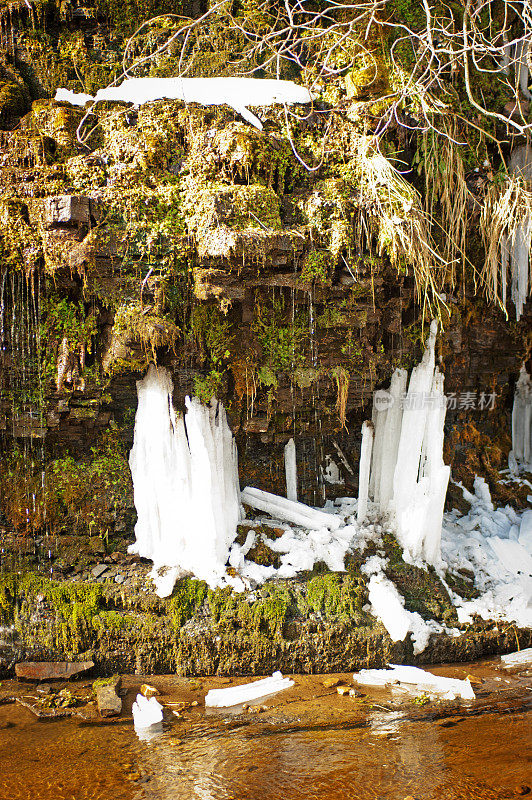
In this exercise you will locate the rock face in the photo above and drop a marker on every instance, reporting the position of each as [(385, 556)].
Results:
[(265, 268), (50, 670)]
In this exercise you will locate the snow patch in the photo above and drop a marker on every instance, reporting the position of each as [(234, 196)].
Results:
[(238, 93)]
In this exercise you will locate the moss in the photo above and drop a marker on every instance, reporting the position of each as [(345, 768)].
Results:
[(422, 589), (336, 596), (240, 207), (187, 597)]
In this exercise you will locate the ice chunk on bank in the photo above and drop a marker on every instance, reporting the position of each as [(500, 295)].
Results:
[(447, 688), (522, 658), (236, 695), (235, 92), (185, 481), (388, 605), (146, 712), (283, 509)]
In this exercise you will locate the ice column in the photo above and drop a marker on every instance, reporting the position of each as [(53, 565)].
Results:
[(408, 476), (522, 418), (290, 468), (185, 481), (364, 470)]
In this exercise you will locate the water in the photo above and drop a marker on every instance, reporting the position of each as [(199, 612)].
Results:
[(310, 744)]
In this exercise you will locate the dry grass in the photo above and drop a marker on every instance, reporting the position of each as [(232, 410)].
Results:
[(391, 209), (506, 207), (445, 185)]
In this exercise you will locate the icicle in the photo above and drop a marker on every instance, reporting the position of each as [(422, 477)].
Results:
[(392, 435), (364, 470), (522, 418), (290, 468), (411, 478), (185, 483)]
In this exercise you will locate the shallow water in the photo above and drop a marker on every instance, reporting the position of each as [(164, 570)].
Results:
[(309, 744)]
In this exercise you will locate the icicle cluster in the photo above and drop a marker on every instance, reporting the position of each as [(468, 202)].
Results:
[(408, 478), (522, 420), (185, 480)]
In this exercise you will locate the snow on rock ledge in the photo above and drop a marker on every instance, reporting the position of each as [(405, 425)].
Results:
[(235, 92)]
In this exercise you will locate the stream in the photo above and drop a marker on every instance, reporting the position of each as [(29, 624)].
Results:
[(307, 742)]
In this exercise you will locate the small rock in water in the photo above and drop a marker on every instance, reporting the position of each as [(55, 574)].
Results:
[(342, 690), (523, 789), (109, 703), (330, 683), (149, 691)]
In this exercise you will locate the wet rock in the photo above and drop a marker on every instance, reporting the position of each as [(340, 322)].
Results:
[(99, 569), (51, 670), (330, 683), (342, 690), (107, 699), (68, 210), (149, 691)]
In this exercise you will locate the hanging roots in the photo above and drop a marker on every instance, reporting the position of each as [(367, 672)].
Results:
[(506, 227), (341, 377)]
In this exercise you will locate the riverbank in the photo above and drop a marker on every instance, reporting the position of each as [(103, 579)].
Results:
[(309, 741)]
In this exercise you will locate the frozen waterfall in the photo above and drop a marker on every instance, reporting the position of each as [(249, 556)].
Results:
[(408, 476), (185, 480)]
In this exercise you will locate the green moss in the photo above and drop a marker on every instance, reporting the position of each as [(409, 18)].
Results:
[(187, 598), (422, 589), (336, 596)]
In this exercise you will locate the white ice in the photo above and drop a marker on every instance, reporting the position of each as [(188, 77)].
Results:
[(388, 606), (408, 476), (290, 468), (284, 509), (522, 420), (185, 480), (494, 545), (249, 692), (146, 712), (235, 92), (521, 658), (364, 470), (446, 688)]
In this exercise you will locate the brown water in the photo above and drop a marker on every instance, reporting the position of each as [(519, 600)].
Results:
[(310, 744)]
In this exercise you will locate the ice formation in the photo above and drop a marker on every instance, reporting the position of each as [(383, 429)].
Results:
[(284, 509), (146, 712), (236, 695), (290, 468), (387, 605), (522, 658), (522, 420), (496, 546), (408, 476), (235, 92), (366, 448), (185, 481), (413, 677)]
